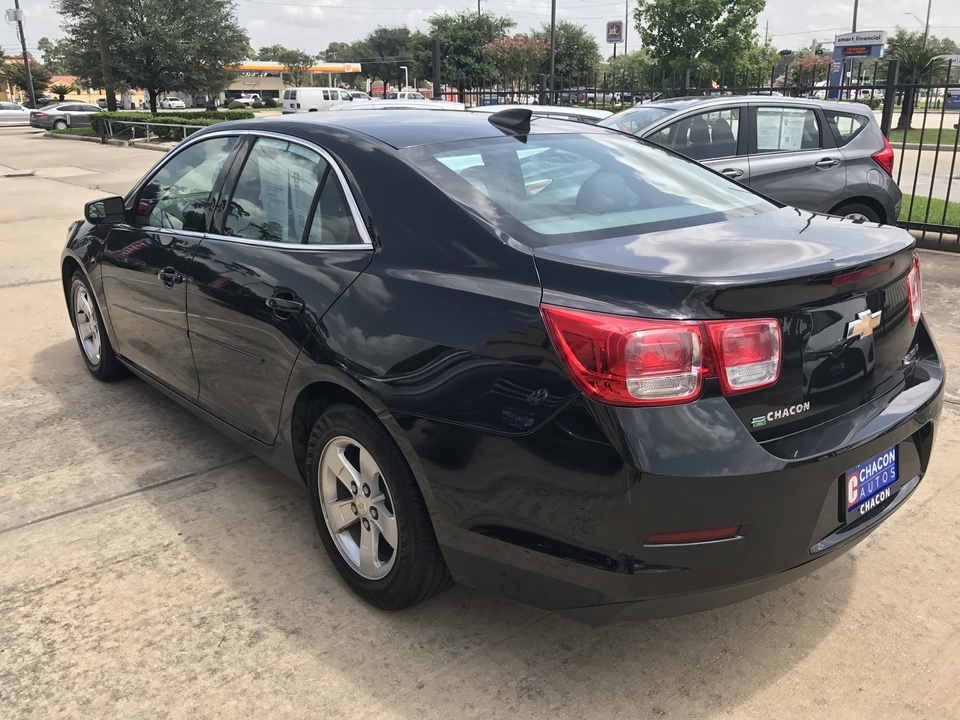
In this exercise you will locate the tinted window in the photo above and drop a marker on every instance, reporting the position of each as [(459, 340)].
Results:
[(635, 119), (332, 222), (704, 136), (344, 95), (274, 193), (845, 126), (566, 188), (326, 94), (176, 197), (9, 106), (781, 129), (89, 108), (391, 96), (287, 94), (69, 108)]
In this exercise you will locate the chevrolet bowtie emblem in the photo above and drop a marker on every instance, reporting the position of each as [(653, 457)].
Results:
[(864, 324)]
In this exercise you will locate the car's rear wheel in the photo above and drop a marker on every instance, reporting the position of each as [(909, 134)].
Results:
[(858, 211), (59, 124), (87, 322), (369, 511)]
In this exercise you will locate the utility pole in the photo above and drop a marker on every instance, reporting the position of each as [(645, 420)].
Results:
[(856, 6), (105, 60), (553, 48), (26, 57), (926, 28), (766, 33), (626, 24), (478, 8)]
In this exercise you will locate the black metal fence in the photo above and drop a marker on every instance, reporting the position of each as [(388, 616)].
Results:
[(918, 113)]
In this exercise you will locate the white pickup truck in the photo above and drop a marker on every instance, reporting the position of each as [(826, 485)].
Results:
[(250, 99)]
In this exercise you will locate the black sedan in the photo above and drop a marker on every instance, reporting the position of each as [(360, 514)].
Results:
[(547, 360)]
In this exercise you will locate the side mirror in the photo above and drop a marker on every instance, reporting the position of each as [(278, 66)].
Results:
[(108, 211)]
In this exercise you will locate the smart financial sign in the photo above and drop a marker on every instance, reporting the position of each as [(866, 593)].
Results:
[(865, 45)]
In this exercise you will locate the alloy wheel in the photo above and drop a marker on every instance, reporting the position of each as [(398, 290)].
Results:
[(357, 508), (860, 217), (88, 329)]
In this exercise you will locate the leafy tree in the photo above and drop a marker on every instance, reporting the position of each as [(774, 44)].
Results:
[(462, 37), (632, 68), (15, 73), (53, 54), (577, 53), (384, 51), (519, 56), (297, 62), (684, 34), (61, 90), (919, 62), (806, 69)]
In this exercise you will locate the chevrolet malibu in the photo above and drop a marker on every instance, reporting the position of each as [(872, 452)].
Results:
[(587, 373)]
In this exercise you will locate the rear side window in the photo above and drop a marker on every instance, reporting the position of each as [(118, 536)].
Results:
[(570, 188), (288, 94), (326, 94), (845, 126), (782, 129), (703, 136)]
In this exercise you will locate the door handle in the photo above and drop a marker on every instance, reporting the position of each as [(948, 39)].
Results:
[(282, 304), (827, 163), (733, 173), (170, 277)]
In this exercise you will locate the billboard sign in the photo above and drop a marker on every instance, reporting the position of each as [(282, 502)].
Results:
[(615, 31)]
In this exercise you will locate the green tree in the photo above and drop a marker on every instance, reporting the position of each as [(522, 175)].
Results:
[(462, 37), (632, 68), (704, 34), (53, 55), (15, 73), (518, 57), (61, 90), (296, 62), (919, 62), (577, 53)]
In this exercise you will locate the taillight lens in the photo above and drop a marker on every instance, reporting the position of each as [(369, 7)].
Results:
[(39, 114), (884, 158), (748, 353), (620, 360), (915, 290)]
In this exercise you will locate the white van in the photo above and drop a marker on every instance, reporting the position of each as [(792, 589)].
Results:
[(313, 99)]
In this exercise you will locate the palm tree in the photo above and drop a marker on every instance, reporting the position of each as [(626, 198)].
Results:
[(919, 61), (61, 90)]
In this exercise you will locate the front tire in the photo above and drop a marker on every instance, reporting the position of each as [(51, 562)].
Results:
[(59, 124), (95, 348), (369, 511)]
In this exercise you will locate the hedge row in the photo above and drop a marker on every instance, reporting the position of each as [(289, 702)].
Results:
[(175, 123)]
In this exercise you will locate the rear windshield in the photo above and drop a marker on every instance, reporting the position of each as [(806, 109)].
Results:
[(560, 188), (845, 126), (635, 119)]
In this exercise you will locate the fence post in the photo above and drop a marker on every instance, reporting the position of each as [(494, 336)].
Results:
[(684, 83), (889, 96), (435, 49)]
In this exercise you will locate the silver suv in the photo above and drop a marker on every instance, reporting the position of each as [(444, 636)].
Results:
[(823, 156)]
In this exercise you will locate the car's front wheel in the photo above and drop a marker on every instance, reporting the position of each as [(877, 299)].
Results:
[(369, 511), (87, 322)]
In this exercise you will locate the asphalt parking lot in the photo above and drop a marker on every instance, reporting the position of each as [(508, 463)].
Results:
[(152, 568)]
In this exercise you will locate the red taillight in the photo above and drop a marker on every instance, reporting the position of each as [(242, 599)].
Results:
[(39, 114), (620, 360), (692, 536), (915, 290), (852, 277), (884, 158)]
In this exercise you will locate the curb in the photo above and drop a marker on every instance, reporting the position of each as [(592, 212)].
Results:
[(139, 144)]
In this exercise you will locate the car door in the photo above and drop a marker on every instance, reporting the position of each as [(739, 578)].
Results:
[(11, 114), (793, 159), (146, 260), (717, 138), (287, 244)]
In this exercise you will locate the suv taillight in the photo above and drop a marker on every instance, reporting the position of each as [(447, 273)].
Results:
[(884, 158), (620, 360), (915, 290)]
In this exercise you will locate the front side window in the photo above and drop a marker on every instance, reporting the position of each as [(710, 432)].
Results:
[(344, 95), (559, 188), (176, 197), (704, 136), (783, 129), (274, 195)]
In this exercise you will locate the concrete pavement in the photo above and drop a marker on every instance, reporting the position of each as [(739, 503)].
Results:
[(151, 568)]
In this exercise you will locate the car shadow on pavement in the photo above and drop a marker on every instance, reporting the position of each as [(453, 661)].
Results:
[(247, 592)]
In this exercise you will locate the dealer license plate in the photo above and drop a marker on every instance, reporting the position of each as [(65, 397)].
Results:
[(869, 483)]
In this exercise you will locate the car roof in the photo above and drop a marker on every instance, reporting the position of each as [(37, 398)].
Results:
[(723, 100), (404, 128)]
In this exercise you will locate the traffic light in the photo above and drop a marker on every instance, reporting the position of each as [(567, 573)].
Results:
[(818, 51)]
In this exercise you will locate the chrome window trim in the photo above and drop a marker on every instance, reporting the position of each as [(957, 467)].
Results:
[(239, 133)]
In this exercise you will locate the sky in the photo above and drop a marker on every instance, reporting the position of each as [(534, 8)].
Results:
[(311, 25)]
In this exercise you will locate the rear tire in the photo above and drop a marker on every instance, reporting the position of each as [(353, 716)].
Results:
[(858, 211), (95, 348), (59, 124), (369, 511)]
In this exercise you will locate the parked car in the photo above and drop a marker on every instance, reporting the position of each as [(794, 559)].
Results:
[(404, 95), (249, 99), (400, 105), (823, 156), (313, 99), (13, 114), (61, 116), (357, 95), (557, 112), (595, 376), (172, 103), (593, 95)]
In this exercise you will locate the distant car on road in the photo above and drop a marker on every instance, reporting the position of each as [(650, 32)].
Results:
[(402, 95), (13, 114), (61, 116), (313, 99), (357, 95), (557, 112), (172, 103), (249, 99), (827, 157)]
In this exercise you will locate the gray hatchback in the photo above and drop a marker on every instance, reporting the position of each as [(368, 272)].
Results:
[(823, 156)]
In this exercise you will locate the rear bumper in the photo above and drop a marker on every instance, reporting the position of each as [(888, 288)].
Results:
[(558, 518)]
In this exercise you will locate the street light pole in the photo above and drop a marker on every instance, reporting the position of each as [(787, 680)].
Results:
[(626, 24), (926, 28), (26, 57), (553, 48), (856, 5)]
